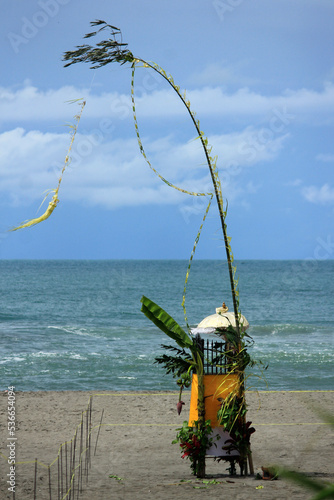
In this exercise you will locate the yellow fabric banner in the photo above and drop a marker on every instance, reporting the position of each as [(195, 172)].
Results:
[(217, 388)]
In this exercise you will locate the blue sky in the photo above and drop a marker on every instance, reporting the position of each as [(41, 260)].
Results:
[(260, 76)]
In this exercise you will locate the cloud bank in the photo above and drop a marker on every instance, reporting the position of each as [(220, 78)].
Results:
[(30, 103), (112, 173)]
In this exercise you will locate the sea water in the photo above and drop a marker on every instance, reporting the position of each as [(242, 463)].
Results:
[(77, 325)]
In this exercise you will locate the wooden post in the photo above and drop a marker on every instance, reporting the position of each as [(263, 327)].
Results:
[(250, 461)]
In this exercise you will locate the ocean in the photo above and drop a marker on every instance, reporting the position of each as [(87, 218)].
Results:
[(77, 325)]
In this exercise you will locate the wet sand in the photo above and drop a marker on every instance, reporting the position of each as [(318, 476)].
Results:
[(134, 446)]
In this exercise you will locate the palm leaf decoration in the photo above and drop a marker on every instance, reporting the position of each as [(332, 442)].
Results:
[(55, 200), (166, 323)]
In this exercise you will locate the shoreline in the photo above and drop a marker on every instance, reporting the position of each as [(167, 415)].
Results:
[(133, 433)]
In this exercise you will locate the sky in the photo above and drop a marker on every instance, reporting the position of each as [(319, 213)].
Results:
[(258, 74)]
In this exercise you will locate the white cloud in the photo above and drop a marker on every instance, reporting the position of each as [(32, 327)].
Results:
[(246, 148), (113, 173), (278, 110), (326, 158), (222, 74), (320, 196), (295, 183), (29, 103)]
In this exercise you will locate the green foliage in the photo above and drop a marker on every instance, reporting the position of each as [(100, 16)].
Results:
[(177, 365), (105, 52), (194, 441), (166, 323), (323, 490), (232, 415), (114, 476)]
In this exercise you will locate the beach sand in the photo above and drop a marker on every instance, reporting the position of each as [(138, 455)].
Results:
[(134, 446)]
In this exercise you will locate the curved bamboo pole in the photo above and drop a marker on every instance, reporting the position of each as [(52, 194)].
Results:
[(216, 184)]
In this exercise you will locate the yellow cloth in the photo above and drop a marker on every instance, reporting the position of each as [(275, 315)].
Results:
[(217, 388)]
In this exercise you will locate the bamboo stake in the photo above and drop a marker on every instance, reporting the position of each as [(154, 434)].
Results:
[(61, 472), (98, 432), (50, 496), (90, 428), (81, 448), (66, 480), (86, 454), (73, 465), (35, 480), (58, 489), (70, 476)]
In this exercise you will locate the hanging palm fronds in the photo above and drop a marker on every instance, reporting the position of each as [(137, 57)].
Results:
[(55, 200)]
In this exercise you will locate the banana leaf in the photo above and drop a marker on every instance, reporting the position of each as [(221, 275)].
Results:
[(166, 323), (323, 490)]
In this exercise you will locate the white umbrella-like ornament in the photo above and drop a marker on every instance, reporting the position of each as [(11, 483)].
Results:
[(220, 321)]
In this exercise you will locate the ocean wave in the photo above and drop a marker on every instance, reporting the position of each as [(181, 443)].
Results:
[(42, 354), (290, 328), (30, 356), (86, 340), (76, 330), (11, 359), (10, 317)]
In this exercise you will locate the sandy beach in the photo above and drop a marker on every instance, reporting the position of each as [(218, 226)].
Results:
[(134, 446)]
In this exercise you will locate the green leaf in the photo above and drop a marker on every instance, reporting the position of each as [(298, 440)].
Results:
[(327, 492), (302, 479), (165, 322)]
